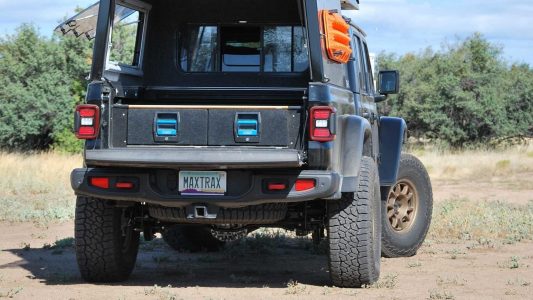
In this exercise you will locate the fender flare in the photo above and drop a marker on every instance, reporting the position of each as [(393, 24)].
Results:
[(356, 131), (392, 133)]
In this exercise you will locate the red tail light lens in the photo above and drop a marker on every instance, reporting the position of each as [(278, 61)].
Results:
[(303, 185), (322, 126), (277, 186), (87, 121), (125, 185), (85, 131), (99, 182)]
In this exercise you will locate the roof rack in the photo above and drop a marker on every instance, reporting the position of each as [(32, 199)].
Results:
[(350, 4)]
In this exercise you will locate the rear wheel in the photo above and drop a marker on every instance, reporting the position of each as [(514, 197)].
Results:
[(407, 210), (354, 232), (106, 243), (192, 238)]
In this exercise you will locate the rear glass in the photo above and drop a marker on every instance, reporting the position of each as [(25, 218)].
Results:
[(126, 36), (247, 48), (241, 49)]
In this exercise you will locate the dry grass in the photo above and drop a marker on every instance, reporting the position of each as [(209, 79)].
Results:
[(36, 187), (477, 165), (483, 223), (295, 288), (388, 281)]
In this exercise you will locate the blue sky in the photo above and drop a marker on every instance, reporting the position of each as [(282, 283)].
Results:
[(392, 25)]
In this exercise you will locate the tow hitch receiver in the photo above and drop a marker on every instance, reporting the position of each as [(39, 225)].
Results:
[(200, 212)]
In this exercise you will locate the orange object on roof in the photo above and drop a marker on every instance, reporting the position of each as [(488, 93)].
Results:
[(337, 36)]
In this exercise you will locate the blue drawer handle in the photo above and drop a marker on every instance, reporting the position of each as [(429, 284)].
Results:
[(247, 127), (166, 127), (167, 122)]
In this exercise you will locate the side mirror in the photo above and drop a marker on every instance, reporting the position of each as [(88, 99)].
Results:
[(389, 82)]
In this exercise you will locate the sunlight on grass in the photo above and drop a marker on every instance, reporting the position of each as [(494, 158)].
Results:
[(477, 165), (482, 222), (36, 187)]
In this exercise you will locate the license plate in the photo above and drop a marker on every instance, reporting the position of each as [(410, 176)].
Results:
[(203, 183)]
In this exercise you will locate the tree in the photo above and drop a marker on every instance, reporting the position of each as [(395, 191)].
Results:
[(41, 80), (462, 95)]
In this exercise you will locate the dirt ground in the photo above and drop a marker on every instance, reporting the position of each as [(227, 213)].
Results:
[(29, 269)]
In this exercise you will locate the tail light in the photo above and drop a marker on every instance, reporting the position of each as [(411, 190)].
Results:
[(99, 182), (87, 121), (323, 121), (275, 186), (303, 185), (125, 185)]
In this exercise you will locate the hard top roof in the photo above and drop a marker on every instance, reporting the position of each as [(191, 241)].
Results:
[(84, 23)]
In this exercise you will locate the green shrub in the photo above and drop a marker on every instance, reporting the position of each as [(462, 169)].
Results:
[(66, 142), (42, 80), (464, 94)]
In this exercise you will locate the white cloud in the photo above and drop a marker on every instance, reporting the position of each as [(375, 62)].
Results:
[(409, 25)]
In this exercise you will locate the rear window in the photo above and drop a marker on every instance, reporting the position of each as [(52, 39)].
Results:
[(270, 49)]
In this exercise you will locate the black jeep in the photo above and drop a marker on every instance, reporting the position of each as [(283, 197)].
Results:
[(208, 119)]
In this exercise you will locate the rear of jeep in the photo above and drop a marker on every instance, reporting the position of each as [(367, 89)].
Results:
[(209, 119)]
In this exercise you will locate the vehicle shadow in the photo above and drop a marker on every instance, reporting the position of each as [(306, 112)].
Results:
[(253, 262)]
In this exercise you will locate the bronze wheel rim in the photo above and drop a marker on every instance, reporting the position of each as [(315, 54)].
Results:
[(402, 204)]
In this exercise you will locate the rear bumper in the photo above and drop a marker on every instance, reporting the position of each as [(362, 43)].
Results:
[(213, 158), (247, 188)]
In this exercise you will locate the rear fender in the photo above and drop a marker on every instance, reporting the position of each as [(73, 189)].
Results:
[(356, 131), (391, 138)]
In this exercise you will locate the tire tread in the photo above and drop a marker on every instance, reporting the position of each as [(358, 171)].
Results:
[(97, 242), (351, 240)]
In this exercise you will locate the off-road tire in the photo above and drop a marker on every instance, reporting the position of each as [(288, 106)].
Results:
[(191, 238), (354, 232), (103, 252), (406, 244)]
